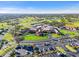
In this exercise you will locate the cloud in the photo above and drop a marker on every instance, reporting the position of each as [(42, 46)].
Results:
[(31, 10)]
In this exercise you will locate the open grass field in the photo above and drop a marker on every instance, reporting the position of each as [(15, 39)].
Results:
[(32, 37)]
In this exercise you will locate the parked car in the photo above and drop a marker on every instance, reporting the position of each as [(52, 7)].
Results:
[(62, 55), (28, 48), (18, 47)]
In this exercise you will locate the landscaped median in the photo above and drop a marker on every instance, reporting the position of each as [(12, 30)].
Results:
[(71, 48)]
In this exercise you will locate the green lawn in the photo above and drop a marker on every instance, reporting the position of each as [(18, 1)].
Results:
[(32, 37), (71, 33), (56, 35)]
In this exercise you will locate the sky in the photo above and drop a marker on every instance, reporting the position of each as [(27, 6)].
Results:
[(39, 7)]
